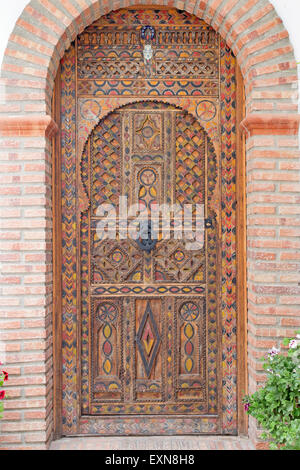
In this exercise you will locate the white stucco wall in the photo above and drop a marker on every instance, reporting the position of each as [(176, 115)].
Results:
[(288, 10)]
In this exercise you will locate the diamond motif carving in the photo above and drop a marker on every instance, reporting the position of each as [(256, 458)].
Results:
[(115, 261), (148, 339), (174, 263), (147, 132)]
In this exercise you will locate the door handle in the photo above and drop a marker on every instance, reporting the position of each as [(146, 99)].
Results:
[(146, 242)]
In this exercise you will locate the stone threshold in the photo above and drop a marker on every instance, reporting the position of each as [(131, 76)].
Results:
[(179, 443)]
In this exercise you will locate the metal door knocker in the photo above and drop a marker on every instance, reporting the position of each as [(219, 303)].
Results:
[(146, 242)]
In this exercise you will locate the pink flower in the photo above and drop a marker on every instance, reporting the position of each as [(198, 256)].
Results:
[(273, 352), (293, 344), (247, 406)]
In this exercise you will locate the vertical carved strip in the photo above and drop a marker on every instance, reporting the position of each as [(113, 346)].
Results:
[(170, 350), (85, 300), (228, 156), (70, 397), (128, 326), (213, 284)]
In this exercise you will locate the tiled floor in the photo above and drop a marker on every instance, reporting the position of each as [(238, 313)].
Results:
[(153, 443)]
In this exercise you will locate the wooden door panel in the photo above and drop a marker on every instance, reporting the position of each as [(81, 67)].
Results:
[(157, 358), (149, 350), (154, 361), (107, 351), (191, 378)]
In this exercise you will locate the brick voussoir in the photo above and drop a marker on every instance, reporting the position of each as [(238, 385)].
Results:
[(223, 12), (88, 15), (71, 8), (201, 8), (86, 11), (211, 9), (11, 84), (272, 82), (31, 45), (250, 22), (275, 70), (238, 14), (16, 72), (282, 53), (258, 45), (55, 11), (256, 31), (44, 20), (22, 68), (275, 34), (17, 53), (35, 31)]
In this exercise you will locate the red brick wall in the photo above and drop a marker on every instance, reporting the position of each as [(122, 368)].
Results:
[(42, 34)]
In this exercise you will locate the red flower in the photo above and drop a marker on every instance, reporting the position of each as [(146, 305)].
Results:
[(2, 394), (5, 375)]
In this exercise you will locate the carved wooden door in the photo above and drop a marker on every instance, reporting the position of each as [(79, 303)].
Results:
[(151, 306), (149, 322)]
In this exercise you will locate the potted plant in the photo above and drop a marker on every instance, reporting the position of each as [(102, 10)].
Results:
[(276, 405)]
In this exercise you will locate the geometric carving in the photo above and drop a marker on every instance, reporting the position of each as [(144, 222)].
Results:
[(206, 110), (116, 261), (145, 87), (203, 35), (106, 162), (206, 67), (110, 50), (189, 311), (148, 190), (148, 339), (189, 347), (107, 312), (106, 384), (89, 109), (174, 263), (107, 348), (190, 161), (147, 132), (109, 69), (192, 358)]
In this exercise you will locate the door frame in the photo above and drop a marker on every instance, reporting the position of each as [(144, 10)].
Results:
[(241, 264)]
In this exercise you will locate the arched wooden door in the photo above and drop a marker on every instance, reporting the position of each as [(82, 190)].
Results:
[(151, 309), (148, 326)]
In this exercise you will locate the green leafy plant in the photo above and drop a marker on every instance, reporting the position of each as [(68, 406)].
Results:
[(276, 405), (3, 378)]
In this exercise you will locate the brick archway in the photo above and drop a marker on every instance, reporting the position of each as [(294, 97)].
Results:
[(40, 38)]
